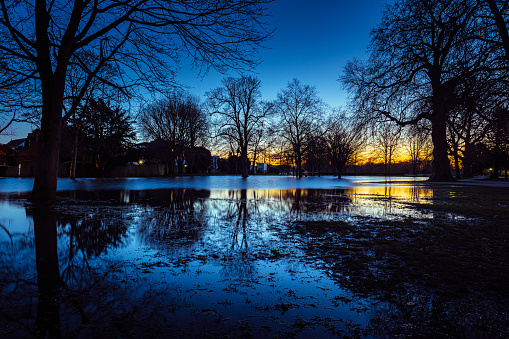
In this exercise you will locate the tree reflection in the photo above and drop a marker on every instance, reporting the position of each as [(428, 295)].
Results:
[(227, 235), (87, 233), (48, 274), (65, 238), (172, 218), (304, 201), (239, 227)]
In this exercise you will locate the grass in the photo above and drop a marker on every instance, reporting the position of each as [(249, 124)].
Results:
[(453, 264)]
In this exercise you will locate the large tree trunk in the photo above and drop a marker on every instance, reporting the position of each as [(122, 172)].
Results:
[(441, 167), (244, 162), (46, 175), (299, 165), (52, 79), (467, 161), (457, 169), (254, 161)]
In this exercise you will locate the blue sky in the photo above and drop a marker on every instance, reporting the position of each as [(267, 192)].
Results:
[(313, 41)]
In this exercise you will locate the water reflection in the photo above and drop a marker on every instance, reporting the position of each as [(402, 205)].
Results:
[(21, 186), (48, 274), (121, 254), (170, 218)]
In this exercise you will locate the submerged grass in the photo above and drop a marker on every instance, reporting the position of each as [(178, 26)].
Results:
[(484, 202), (446, 275)]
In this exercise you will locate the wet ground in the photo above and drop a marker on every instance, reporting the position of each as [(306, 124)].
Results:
[(121, 258)]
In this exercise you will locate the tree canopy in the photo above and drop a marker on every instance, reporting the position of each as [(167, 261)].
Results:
[(240, 112), (420, 55), (53, 53), (299, 108)]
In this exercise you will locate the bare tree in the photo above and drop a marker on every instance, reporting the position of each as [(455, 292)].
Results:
[(499, 10), (343, 139), (237, 105), (44, 44), (386, 137), (179, 121), (418, 145), (316, 155), (420, 53), (300, 110), (259, 135)]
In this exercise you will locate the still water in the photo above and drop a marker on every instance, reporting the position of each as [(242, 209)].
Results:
[(21, 185), (188, 256)]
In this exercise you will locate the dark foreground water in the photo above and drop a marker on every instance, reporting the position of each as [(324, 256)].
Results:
[(221, 257)]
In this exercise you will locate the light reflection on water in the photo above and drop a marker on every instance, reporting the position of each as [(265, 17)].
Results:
[(214, 257), (266, 182)]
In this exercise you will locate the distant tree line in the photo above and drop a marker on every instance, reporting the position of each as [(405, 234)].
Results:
[(295, 129)]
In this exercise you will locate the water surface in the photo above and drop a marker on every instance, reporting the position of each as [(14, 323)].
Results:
[(203, 256), (265, 182)]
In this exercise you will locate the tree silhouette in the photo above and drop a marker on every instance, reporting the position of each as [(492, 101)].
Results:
[(420, 53), (107, 132), (240, 112), (418, 145), (179, 123), (47, 48), (343, 139), (299, 109)]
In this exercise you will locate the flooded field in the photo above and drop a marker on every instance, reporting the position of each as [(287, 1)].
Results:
[(256, 257)]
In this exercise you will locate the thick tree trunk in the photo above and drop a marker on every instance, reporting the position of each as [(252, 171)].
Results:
[(46, 175), (244, 162), (299, 166), (52, 81), (457, 166), (467, 161), (254, 161), (441, 167)]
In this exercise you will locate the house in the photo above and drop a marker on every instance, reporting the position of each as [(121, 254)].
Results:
[(261, 167), (27, 160), (6, 155), (29, 154), (17, 144)]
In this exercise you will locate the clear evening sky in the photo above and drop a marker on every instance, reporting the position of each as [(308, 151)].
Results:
[(313, 41)]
